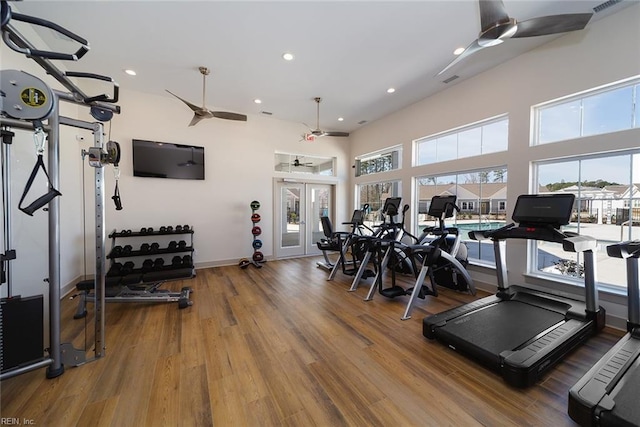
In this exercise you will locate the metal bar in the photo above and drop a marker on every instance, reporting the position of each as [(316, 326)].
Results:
[(6, 209), (24, 369), (55, 368), (78, 94), (21, 124), (81, 124), (633, 292), (499, 250), (70, 97), (101, 258), (416, 291), (590, 288)]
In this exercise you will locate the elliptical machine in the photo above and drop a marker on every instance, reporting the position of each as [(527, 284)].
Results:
[(443, 259), (350, 255)]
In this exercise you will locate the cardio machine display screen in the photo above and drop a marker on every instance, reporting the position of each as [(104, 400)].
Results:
[(551, 209), (442, 204), (392, 206)]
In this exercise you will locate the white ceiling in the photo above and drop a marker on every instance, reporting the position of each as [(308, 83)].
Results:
[(347, 52)]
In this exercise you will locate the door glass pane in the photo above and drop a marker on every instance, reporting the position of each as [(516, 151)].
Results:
[(291, 217), (319, 208)]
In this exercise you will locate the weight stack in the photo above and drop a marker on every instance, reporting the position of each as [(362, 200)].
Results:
[(21, 331)]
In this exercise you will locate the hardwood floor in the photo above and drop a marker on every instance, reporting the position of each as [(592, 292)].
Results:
[(282, 346)]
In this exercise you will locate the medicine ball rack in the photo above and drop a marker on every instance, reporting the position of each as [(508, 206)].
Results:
[(131, 282)]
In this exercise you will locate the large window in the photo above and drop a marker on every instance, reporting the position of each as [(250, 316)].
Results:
[(488, 136), (604, 110), (375, 194), (482, 199), (607, 190), (380, 161)]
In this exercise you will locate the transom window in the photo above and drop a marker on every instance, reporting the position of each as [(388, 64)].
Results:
[(487, 136), (299, 163), (380, 161), (598, 111)]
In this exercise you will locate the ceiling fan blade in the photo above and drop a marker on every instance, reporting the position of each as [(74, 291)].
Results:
[(471, 49), (553, 24), (195, 120), (190, 105), (229, 116), (331, 133), (492, 12)]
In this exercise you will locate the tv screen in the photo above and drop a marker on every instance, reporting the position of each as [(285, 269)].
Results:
[(154, 159)]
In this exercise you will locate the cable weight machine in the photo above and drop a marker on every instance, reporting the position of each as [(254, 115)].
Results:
[(29, 103)]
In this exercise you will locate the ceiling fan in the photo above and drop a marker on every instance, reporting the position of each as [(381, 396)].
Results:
[(203, 112), (317, 133), (297, 163), (496, 26)]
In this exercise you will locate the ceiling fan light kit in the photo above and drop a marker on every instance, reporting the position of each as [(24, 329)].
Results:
[(203, 112)]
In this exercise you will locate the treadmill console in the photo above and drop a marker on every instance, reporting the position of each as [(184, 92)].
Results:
[(539, 217), (543, 210)]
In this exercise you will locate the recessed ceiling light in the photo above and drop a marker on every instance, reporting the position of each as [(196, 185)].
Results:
[(287, 56), (458, 51), (257, 101), (391, 90), (130, 72), (340, 119)]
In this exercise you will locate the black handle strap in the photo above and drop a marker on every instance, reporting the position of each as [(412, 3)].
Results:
[(116, 198), (42, 200)]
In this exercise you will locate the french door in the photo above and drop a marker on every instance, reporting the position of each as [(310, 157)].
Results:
[(299, 207)]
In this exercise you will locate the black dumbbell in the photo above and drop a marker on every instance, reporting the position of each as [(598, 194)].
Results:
[(126, 250), (143, 230), (163, 229), (144, 248), (149, 230), (176, 261), (185, 227), (117, 250), (127, 268), (187, 261), (155, 247), (115, 269), (158, 263), (147, 265), (178, 228), (173, 245), (182, 244), (169, 229)]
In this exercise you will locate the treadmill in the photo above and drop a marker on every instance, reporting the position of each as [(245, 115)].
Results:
[(519, 332), (607, 395)]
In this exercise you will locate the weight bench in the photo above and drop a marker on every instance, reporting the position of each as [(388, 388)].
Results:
[(137, 287)]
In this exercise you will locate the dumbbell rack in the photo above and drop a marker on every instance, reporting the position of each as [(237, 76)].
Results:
[(140, 283)]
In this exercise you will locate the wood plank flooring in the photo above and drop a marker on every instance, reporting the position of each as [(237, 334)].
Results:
[(281, 346)]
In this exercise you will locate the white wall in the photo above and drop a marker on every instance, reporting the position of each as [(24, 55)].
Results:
[(606, 52), (239, 169)]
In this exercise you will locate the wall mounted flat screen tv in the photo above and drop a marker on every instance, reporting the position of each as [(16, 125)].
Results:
[(154, 159)]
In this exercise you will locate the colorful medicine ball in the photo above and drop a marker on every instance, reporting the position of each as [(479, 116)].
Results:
[(256, 231), (255, 205), (255, 217)]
